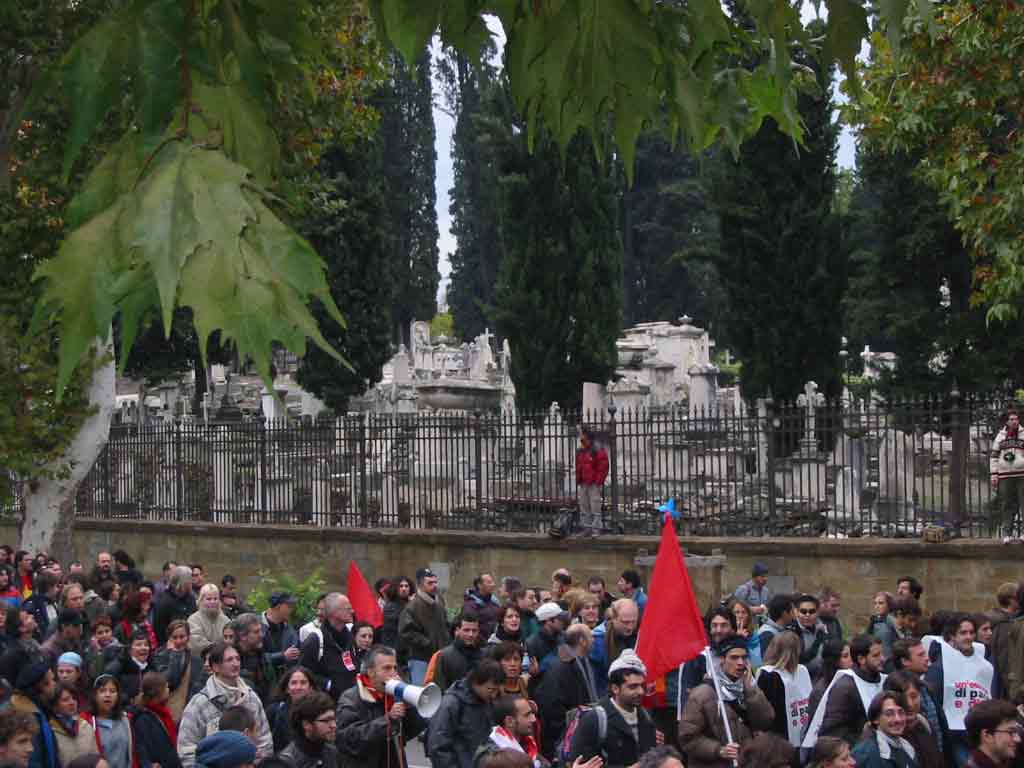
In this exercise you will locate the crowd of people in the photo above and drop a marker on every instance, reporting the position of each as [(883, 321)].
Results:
[(102, 668)]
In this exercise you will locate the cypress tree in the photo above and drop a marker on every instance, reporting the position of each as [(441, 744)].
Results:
[(781, 264), (559, 298)]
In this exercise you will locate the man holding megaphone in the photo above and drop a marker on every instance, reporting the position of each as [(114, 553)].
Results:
[(373, 725)]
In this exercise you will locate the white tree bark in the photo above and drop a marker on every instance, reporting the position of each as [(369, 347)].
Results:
[(49, 503)]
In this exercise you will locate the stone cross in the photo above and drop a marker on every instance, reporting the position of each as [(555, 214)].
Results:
[(810, 400)]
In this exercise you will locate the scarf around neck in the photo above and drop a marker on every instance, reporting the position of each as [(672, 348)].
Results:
[(732, 690), (164, 715), (234, 694), (887, 744)]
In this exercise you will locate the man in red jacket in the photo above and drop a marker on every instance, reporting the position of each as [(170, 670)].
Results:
[(591, 472)]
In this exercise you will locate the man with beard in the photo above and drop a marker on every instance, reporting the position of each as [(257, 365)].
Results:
[(455, 660), (843, 710), (543, 646), (35, 692), (617, 728), (611, 637), (702, 732), (326, 653), (423, 625), (314, 727), (994, 734), (257, 668)]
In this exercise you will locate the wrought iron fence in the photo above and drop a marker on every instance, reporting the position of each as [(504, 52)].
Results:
[(847, 469)]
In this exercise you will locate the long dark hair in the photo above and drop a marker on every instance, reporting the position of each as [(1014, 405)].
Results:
[(281, 691), (98, 683)]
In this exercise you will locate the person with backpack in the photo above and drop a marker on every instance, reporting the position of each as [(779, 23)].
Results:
[(462, 724), (224, 689), (568, 684), (616, 728), (702, 732)]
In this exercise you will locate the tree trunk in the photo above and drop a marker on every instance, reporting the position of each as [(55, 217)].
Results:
[(49, 502)]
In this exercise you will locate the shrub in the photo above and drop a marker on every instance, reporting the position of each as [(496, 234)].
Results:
[(305, 592)]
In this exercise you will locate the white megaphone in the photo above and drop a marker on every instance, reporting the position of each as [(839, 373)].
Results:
[(425, 700)]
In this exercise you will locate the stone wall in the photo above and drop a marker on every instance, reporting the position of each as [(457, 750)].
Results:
[(960, 575)]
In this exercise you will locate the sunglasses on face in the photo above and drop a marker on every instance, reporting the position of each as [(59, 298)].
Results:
[(808, 611)]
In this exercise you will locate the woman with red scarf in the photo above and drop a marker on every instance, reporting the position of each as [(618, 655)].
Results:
[(156, 735)]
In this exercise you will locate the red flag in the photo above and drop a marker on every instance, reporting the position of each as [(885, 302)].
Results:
[(364, 602), (672, 630)]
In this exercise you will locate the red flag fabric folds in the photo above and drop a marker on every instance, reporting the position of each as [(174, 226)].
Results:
[(672, 630), (364, 602)]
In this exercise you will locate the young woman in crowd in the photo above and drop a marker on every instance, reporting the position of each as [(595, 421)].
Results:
[(916, 731), (70, 674), (130, 667), (786, 684), (746, 627), (74, 735), (114, 739), (103, 647), (181, 667), (295, 684), (880, 624), (9, 594)]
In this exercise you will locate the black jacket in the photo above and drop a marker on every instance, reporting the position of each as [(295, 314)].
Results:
[(280, 728), (168, 608), (459, 727), (129, 676), (152, 742), (562, 688), (844, 715), (453, 663), (36, 605), (330, 667), (389, 630), (363, 730), (619, 747), (297, 756)]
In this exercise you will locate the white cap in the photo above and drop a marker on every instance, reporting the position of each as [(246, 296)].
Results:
[(628, 660), (551, 611)]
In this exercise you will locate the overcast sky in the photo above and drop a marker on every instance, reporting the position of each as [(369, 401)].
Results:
[(445, 125)]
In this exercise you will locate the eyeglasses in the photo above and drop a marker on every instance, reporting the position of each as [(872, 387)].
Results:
[(1012, 732), (327, 719), (893, 712), (808, 611)]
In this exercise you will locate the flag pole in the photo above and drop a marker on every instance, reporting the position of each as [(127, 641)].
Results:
[(718, 694)]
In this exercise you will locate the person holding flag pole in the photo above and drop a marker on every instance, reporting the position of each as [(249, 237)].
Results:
[(671, 633)]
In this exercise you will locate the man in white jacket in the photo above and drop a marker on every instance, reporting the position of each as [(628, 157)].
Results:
[(1006, 467), (224, 689)]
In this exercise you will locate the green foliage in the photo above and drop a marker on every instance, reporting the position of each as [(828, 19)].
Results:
[(442, 325), (474, 194), (954, 99), (305, 591), (35, 429), (405, 160), (347, 225), (172, 217), (670, 235), (781, 264), (591, 64), (904, 250), (559, 300)]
